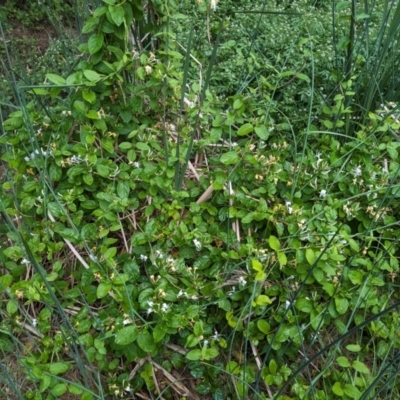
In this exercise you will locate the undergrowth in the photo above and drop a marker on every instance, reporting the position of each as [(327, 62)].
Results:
[(178, 226)]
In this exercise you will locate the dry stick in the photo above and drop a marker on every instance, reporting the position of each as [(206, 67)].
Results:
[(124, 237), (78, 256), (178, 386), (235, 224), (69, 244), (155, 381), (193, 169), (259, 365), (137, 366), (148, 199)]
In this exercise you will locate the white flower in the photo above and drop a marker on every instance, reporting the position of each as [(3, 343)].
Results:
[(150, 303), (194, 297), (287, 304), (127, 321), (143, 257), (213, 5), (215, 336), (289, 206), (242, 281), (319, 159), (128, 389), (136, 164), (159, 254), (182, 293), (148, 69), (357, 171), (26, 159), (34, 322), (232, 291), (322, 193), (197, 244), (25, 261), (164, 307), (149, 311)]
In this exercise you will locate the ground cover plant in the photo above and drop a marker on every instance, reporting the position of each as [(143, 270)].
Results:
[(178, 226)]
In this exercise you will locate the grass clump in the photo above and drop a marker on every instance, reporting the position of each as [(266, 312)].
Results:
[(165, 238)]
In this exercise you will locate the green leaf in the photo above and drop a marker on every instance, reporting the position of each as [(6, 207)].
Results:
[(342, 305), (274, 243), (198, 328), (59, 389), (310, 256), (263, 326), (159, 332), (142, 146), (262, 132), (80, 106), (303, 77), (209, 353), (273, 367), (89, 96), (352, 391), (123, 189), (360, 367), (40, 91), (282, 259), (263, 300), (92, 76), (58, 368), (146, 342), (58, 80), (237, 104), (95, 43), (343, 361), (355, 348), (245, 129), (92, 114), (231, 157), (5, 280), (126, 335), (304, 305), (117, 14), (12, 307), (90, 25), (125, 145), (103, 289), (337, 389), (194, 355), (256, 265)]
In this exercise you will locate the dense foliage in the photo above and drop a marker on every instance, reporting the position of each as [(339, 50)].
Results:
[(198, 208)]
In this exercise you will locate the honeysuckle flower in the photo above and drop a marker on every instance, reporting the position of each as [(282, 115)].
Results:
[(357, 171), (148, 69), (182, 293), (215, 336), (289, 207), (25, 261), (143, 257), (322, 193), (164, 307), (213, 5), (242, 281), (197, 244)]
